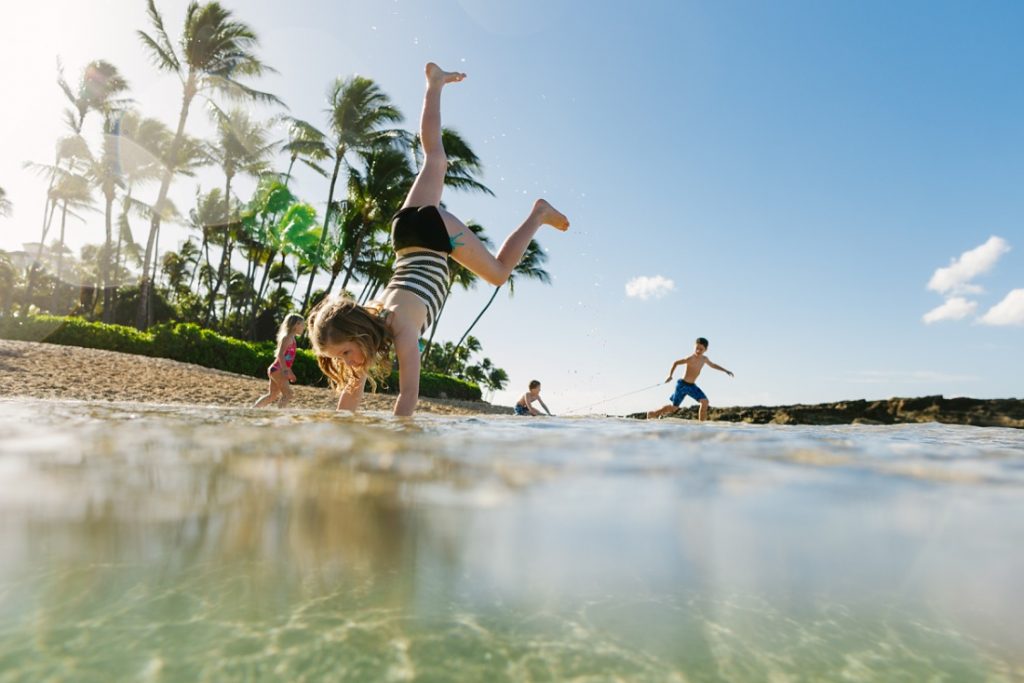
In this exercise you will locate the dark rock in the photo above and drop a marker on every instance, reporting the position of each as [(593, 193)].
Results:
[(1007, 412)]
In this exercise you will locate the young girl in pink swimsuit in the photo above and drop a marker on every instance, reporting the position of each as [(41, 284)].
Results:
[(280, 372)]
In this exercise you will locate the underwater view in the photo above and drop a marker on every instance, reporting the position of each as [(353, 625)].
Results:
[(159, 543)]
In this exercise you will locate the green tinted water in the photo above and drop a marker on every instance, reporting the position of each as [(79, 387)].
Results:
[(170, 544)]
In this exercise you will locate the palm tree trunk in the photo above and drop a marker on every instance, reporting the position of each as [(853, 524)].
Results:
[(120, 239), (60, 260), (465, 334), (225, 256), (288, 175), (150, 293), (330, 283), (108, 248), (339, 155), (143, 314), (30, 275), (352, 262), (203, 249)]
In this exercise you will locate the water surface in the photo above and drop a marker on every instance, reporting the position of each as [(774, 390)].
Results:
[(163, 543)]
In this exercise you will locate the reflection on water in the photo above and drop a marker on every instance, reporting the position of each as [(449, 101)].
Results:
[(175, 544)]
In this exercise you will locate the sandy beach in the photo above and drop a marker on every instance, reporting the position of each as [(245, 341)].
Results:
[(50, 371)]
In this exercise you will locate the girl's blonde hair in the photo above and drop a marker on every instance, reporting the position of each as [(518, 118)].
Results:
[(337, 320), (288, 325)]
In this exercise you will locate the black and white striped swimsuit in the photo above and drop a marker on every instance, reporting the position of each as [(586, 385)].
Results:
[(425, 274)]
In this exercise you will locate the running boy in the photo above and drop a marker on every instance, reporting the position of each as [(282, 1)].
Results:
[(686, 386)]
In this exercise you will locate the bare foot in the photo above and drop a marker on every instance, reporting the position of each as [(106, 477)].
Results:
[(438, 76), (549, 215)]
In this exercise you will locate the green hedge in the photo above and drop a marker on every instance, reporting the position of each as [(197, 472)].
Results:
[(77, 332), (437, 386), (190, 343)]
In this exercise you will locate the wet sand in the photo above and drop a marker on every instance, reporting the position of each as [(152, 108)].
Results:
[(50, 371)]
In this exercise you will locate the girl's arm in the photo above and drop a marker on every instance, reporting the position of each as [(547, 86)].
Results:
[(352, 394), (407, 349)]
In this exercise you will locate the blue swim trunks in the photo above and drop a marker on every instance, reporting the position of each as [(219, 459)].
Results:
[(684, 389), (522, 410)]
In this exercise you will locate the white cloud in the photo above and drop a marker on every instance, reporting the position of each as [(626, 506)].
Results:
[(1009, 311), (956, 308), (956, 278), (644, 287)]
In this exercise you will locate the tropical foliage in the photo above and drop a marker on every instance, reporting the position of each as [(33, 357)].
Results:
[(247, 261)]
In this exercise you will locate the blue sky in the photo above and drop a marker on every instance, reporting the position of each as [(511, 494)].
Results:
[(798, 170)]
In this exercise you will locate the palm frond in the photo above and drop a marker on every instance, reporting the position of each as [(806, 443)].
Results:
[(162, 59)]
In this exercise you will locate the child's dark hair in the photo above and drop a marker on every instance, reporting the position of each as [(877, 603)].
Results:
[(534, 383), (702, 341), (336, 320)]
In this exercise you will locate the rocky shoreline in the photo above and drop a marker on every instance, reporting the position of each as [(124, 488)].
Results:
[(999, 412)]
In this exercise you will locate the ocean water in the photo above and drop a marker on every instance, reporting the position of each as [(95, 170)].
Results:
[(158, 543)]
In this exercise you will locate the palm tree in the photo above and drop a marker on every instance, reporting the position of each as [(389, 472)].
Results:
[(140, 142), (374, 195), (5, 203), (529, 268), (207, 214), (215, 52), (307, 144), (241, 147), (358, 109), (8, 282), (96, 90), (464, 166)]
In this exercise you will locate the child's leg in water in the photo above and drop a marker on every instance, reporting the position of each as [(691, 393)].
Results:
[(664, 410), (286, 394), (266, 399), (429, 183)]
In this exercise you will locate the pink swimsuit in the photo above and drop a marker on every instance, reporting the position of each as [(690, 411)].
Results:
[(289, 358)]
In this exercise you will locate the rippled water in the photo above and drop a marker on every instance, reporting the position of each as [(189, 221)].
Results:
[(183, 544)]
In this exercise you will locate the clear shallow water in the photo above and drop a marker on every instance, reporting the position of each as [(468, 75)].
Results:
[(181, 544)]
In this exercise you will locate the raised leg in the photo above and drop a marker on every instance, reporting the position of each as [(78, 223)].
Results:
[(426, 189), (471, 252)]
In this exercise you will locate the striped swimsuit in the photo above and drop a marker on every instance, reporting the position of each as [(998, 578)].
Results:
[(425, 274)]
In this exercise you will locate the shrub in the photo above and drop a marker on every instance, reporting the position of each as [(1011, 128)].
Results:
[(433, 385), (68, 331), (189, 343)]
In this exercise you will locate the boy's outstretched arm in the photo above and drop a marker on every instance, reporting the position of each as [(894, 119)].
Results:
[(541, 402), (719, 367), (674, 366)]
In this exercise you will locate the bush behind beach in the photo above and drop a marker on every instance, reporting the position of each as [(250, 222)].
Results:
[(190, 343)]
